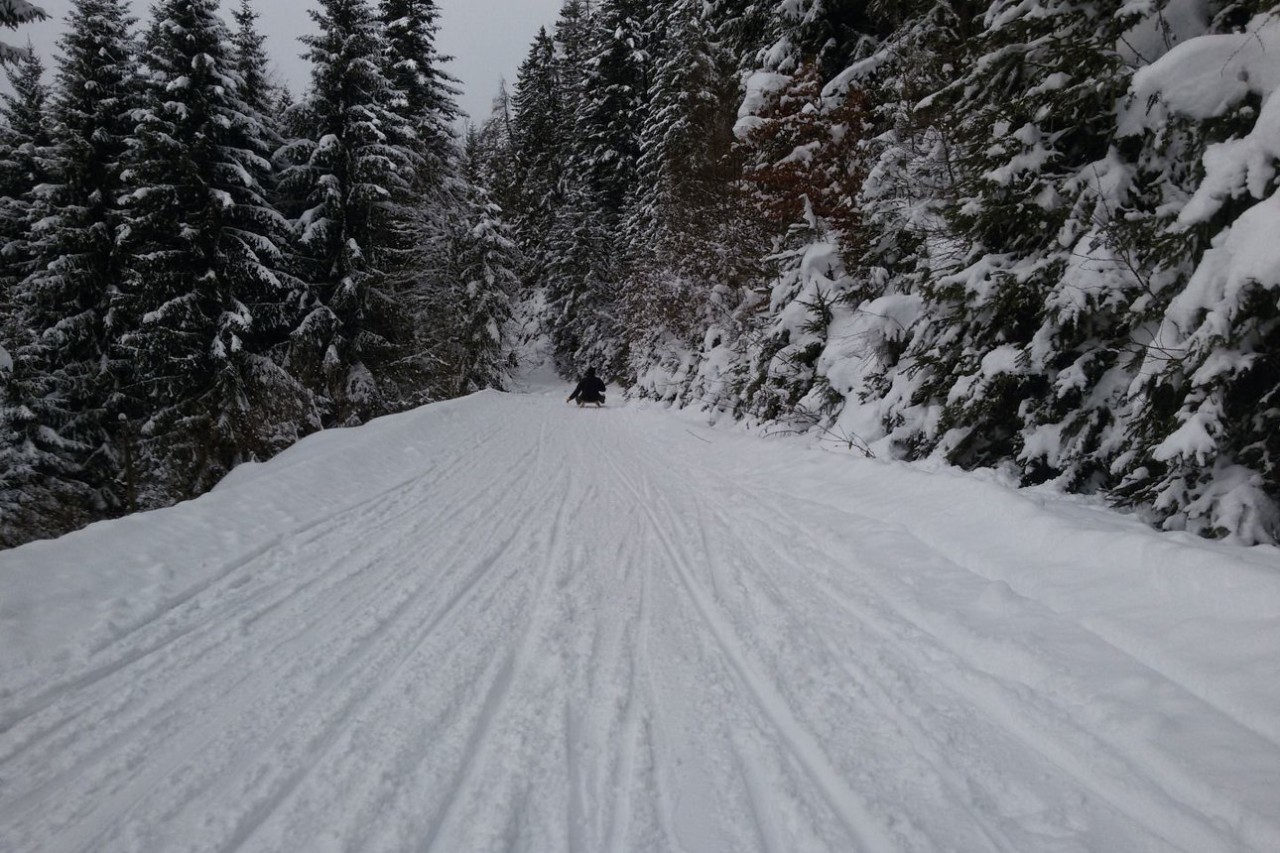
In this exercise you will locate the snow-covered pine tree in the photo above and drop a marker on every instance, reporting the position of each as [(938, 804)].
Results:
[(24, 143), (691, 241), (614, 88), (40, 493), (970, 257), (267, 101), (582, 288), (76, 223), (427, 93), (1203, 411), (483, 277), (205, 259), (547, 149), (687, 174), (560, 224), (803, 168), (492, 156), (541, 134), (574, 40), (909, 179), (605, 67), (740, 28), (350, 181), (249, 57), (1014, 341), (14, 13), (422, 227), (900, 208)]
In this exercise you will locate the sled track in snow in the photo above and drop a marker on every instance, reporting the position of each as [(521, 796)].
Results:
[(845, 802), (556, 632)]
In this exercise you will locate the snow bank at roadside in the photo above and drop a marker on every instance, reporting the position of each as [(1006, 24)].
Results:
[(77, 593)]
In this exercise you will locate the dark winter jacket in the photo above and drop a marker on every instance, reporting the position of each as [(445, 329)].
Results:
[(589, 390)]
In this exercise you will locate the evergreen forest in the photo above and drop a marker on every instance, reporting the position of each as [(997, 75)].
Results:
[(1040, 237)]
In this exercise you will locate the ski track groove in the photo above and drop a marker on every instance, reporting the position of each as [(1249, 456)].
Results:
[(852, 810), (340, 683), (570, 633), (657, 739), (1177, 791), (784, 507), (213, 588), (357, 699), (383, 685), (718, 580), (869, 688), (620, 815), (373, 591), (193, 675), (651, 734), (762, 812), (996, 701), (498, 689), (872, 690)]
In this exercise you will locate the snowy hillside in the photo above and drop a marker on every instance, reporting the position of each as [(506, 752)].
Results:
[(503, 623)]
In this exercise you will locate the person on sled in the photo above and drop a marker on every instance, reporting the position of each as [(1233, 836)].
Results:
[(589, 390)]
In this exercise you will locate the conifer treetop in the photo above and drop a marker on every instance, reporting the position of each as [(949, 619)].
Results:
[(12, 14)]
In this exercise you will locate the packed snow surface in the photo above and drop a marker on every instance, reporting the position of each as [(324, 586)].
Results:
[(503, 623)]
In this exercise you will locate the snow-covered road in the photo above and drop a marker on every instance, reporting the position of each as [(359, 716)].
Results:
[(502, 623)]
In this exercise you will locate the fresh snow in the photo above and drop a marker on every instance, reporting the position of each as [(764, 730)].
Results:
[(504, 623)]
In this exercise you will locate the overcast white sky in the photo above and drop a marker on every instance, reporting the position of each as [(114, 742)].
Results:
[(487, 38)]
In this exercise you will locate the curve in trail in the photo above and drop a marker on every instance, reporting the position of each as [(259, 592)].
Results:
[(534, 628)]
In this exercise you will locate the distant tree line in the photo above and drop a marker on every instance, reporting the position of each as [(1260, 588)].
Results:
[(1004, 234), (1032, 237), (196, 269)]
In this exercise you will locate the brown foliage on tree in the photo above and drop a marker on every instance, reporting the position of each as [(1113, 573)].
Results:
[(807, 147)]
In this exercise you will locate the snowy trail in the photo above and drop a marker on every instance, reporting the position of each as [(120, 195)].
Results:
[(506, 624)]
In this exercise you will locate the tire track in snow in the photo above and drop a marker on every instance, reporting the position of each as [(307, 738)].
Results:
[(1126, 780), (476, 749), (124, 652), (385, 680), (1144, 660), (1114, 785), (192, 669), (863, 826), (200, 673)]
